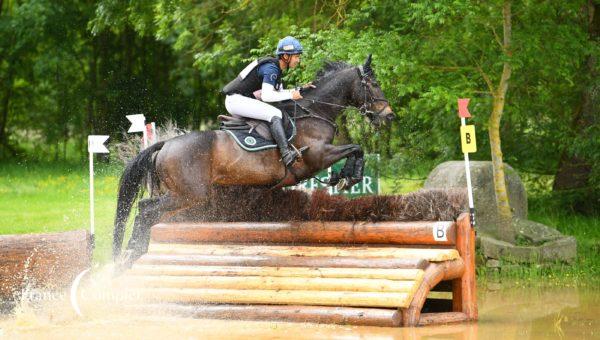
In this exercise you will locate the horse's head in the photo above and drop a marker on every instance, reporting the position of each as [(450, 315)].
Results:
[(340, 85), (369, 97)]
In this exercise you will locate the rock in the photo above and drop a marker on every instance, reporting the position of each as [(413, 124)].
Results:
[(492, 263), (535, 242), (534, 233), (563, 249), (452, 175), (510, 267), (493, 286), (497, 249)]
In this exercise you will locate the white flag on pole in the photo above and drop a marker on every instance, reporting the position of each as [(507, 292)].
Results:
[(138, 123), (96, 144)]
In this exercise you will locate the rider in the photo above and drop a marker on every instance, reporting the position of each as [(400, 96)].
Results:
[(259, 83)]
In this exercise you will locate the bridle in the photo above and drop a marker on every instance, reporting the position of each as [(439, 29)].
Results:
[(369, 100), (365, 77)]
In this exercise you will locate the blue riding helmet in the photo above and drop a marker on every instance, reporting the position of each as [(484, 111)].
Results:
[(289, 45)]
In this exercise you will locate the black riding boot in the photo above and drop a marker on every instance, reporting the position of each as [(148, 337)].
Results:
[(288, 156)]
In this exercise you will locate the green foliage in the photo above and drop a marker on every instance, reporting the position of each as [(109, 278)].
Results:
[(72, 69)]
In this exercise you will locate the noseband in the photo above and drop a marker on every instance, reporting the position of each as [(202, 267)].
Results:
[(368, 94)]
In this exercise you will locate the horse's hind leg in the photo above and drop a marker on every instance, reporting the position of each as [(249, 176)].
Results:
[(150, 212), (147, 216)]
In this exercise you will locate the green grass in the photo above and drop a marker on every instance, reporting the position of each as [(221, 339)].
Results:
[(400, 186), (51, 197), (42, 197), (585, 271)]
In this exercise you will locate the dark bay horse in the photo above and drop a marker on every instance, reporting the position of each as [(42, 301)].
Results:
[(190, 166)]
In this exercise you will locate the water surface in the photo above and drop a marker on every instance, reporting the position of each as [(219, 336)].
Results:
[(506, 313)]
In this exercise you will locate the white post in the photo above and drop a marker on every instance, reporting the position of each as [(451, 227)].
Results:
[(468, 143), (95, 145), (92, 196), (154, 132), (329, 189), (468, 175)]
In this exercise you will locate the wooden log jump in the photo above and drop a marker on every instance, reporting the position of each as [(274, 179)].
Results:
[(330, 272), (50, 261)]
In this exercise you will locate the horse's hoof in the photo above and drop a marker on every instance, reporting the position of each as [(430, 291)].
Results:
[(333, 179), (343, 184), (347, 182), (124, 262), (355, 180)]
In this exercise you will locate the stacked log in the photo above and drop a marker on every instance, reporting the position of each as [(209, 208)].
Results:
[(49, 261), (340, 272)]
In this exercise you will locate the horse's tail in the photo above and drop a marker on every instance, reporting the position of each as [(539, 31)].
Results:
[(129, 187)]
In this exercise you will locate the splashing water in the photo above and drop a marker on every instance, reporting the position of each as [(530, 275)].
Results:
[(514, 312)]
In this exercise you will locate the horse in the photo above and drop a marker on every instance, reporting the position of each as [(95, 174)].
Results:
[(190, 166)]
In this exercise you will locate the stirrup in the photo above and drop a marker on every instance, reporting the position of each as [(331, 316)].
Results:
[(297, 154), (299, 151), (292, 155)]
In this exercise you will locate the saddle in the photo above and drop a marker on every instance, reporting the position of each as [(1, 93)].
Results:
[(253, 134)]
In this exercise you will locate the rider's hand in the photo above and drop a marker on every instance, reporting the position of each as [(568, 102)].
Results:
[(309, 86), (296, 95)]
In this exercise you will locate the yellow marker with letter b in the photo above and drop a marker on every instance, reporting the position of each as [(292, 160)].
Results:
[(467, 139)]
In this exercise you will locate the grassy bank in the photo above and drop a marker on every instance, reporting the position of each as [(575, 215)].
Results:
[(41, 197), (585, 271)]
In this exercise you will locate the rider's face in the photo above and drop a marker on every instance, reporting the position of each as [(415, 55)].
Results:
[(294, 60)]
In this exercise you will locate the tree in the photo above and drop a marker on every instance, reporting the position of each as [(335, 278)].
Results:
[(70, 69), (580, 158), (499, 98)]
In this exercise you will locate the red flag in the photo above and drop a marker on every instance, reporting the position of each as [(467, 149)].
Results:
[(150, 133), (463, 111)]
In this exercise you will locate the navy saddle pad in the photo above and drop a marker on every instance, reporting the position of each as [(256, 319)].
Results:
[(254, 135)]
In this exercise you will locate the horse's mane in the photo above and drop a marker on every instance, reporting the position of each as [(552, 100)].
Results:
[(329, 68)]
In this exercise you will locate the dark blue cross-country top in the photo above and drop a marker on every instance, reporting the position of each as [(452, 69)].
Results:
[(266, 70), (270, 73)]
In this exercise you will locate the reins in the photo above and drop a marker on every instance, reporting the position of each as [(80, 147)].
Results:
[(369, 100), (311, 114)]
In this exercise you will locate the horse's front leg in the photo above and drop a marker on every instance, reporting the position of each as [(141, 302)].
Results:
[(352, 171)]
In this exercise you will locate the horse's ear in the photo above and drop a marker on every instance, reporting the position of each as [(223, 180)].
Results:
[(367, 66)]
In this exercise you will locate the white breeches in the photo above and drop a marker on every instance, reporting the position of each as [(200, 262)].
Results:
[(238, 105)]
